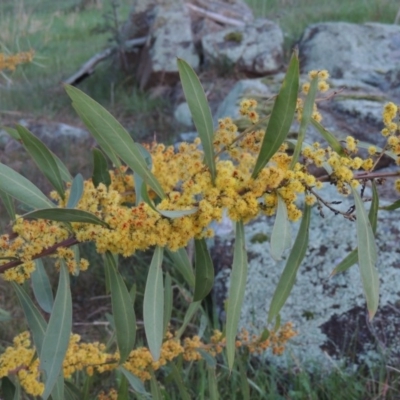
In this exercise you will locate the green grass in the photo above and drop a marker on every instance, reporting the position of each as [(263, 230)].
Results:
[(294, 15)]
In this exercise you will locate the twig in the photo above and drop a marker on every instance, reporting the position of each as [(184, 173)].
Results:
[(364, 175), (50, 250)]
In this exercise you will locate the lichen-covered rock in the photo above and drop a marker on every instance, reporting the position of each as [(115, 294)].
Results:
[(363, 52), (329, 313), (170, 38), (256, 48)]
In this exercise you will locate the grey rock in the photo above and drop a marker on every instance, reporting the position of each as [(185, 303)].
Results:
[(327, 312), (172, 38), (183, 115), (366, 52), (256, 48), (245, 88)]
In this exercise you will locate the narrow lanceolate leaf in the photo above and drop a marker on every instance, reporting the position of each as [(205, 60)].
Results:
[(65, 175), (139, 186), (305, 120), (4, 315), (177, 213), (8, 203), (100, 169), (204, 270), (295, 258), (367, 256), (58, 332), (153, 304), (22, 189), (109, 133), (236, 292), (36, 322), (191, 311), (281, 237), (329, 137), (352, 257), (66, 215), (391, 207), (200, 110), (181, 262), (167, 302), (123, 312), (58, 389), (43, 158), (135, 382), (177, 377), (212, 384), (155, 388), (281, 116), (41, 287), (76, 191)]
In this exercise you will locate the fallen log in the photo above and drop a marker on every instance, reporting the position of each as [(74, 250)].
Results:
[(88, 67)]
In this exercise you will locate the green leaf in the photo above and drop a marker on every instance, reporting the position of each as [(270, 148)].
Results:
[(123, 393), (168, 302), (236, 292), (181, 262), (204, 270), (352, 257), (110, 133), (329, 137), (139, 186), (101, 173), (191, 311), (72, 392), (8, 204), (281, 238), (367, 256), (4, 315), (212, 384), (58, 390), (36, 322), (177, 377), (153, 304), (295, 258), (66, 215), (22, 189), (76, 191), (65, 175), (134, 381), (244, 383), (391, 207), (155, 388), (305, 120), (43, 158), (41, 287), (281, 116), (58, 332), (8, 389), (200, 110), (123, 312)]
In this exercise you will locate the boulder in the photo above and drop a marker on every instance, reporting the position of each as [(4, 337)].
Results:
[(329, 313), (256, 48), (363, 52), (170, 37), (183, 115)]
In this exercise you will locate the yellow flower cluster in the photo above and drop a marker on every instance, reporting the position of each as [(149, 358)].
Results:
[(10, 62), (247, 108), (188, 185), (323, 86), (342, 166), (111, 395), (21, 360)]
